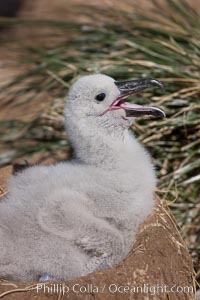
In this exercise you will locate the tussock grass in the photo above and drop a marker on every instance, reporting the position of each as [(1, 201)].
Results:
[(162, 42)]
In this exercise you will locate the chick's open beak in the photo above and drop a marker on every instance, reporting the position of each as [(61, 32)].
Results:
[(128, 88)]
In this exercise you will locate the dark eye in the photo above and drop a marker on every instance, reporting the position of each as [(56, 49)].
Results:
[(100, 97)]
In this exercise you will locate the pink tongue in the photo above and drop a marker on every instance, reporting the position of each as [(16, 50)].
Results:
[(131, 105)]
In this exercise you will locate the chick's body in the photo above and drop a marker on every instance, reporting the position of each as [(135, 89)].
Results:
[(71, 218)]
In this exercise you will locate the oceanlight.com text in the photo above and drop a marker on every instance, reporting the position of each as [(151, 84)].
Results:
[(56, 288)]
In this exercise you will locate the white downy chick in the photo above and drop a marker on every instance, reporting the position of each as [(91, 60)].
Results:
[(75, 217)]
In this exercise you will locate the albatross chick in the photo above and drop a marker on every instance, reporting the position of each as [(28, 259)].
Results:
[(73, 218)]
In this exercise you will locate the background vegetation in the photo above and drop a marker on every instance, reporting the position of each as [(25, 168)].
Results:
[(162, 42)]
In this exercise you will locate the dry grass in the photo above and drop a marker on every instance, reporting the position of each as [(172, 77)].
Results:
[(124, 43)]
